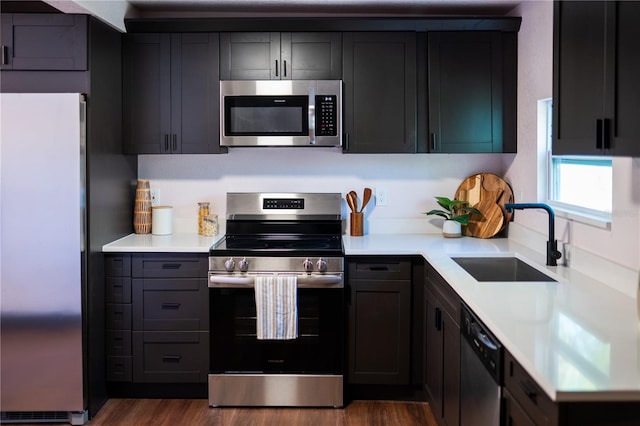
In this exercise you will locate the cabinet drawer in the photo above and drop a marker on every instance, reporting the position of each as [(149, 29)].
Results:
[(119, 369), (514, 414), (444, 293), (119, 342), (171, 357), (170, 304), (118, 289), (118, 316), (528, 394), (118, 265), (382, 268), (169, 265)]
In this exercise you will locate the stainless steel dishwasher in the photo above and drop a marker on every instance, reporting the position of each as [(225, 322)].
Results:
[(480, 373)]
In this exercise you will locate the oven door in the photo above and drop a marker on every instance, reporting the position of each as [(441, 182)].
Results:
[(236, 349)]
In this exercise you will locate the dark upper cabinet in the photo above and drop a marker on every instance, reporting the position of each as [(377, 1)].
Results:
[(379, 92), (281, 56), (44, 42), (171, 93), (596, 89), (471, 93)]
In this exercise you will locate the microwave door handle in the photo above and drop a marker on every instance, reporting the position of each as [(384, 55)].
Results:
[(312, 117)]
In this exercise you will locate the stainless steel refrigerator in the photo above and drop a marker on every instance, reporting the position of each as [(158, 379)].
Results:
[(42, 256)]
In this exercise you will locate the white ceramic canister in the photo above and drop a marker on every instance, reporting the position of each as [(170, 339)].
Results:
[(162, 220)]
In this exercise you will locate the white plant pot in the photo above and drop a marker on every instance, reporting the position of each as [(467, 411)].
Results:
[(451, 229)]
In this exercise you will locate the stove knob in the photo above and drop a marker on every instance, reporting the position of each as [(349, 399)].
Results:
[(243, 265), (321, 265), (229, 264), (307, 265)]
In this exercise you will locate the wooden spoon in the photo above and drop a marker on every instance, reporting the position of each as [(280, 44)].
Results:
[(351, 202), (365, 198), (354, 197)]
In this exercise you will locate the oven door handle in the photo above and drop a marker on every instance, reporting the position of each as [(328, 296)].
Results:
[(304, 281)]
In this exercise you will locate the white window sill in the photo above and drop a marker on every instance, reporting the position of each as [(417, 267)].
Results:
[(598, 221)]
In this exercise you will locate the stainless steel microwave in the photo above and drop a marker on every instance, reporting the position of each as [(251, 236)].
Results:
[(281, 113)]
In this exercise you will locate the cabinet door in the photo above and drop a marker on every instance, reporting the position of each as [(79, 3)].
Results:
[(513, 412), (35, 41), (434, 352), (195, 93), (311, 56), (579, 96), (465, 93), (626, 87), (380, 92), (147, 93), (379, 324), (250, 56), (450, 370)]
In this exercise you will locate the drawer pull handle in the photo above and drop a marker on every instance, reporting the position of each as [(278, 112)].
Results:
[(171, 358), (529, 390), (379, 268), (5, 55), (171, 266), (172, 306)]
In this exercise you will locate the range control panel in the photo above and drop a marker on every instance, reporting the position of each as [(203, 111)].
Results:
[(326, 114), (283, 203)]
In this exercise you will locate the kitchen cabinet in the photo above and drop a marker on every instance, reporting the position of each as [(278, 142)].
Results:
[(157, 318), (44, 42), (118, 317), (471, 91), (379, 348), (281, 56), (379, 92), (171, 93), (526, 403), (595, 87), (442, 348)]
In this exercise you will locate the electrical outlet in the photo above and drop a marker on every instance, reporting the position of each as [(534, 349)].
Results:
[(155, 197), (382, 197)]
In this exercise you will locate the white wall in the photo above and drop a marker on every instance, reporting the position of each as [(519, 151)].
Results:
[(620, 243), (411, 180)]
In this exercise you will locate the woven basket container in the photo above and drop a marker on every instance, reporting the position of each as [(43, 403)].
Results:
[(142, 208)]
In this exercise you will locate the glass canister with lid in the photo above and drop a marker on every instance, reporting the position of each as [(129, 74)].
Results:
[(203, 210)]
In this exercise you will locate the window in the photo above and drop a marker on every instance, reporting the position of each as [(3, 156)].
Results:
[(580, 184)]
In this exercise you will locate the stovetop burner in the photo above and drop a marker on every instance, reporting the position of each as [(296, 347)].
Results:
[(270, 244)]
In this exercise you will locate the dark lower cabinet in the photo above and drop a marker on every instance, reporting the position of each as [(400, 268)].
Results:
[(442, 348), (171, 93), (379, 92), (596, 91), (379, 349), (471, 91), (157, 318)]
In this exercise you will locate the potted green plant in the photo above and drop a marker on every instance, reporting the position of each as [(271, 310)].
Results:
[(456, 213)]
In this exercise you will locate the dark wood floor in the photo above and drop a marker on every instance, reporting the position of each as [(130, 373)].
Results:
[(173, 412)]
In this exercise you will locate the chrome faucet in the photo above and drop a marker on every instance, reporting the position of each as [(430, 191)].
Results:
[(552, 244)]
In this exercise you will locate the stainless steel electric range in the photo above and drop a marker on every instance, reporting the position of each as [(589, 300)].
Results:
[(280, 264)]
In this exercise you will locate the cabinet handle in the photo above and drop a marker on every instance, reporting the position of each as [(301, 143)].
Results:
[(606, 133), (529, 391), (171, 266), (598, 134), (284, 65), (433, 142), (346, 141), (379, 268), (438, 319), (171, 358), (175, 142), (172, 306), (276, 67), (166, 143), (5, 55)]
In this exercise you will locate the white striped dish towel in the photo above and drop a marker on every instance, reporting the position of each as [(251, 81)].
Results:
[(276, 307)]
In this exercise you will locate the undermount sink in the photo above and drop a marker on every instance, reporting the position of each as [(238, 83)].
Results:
[(500, 269)]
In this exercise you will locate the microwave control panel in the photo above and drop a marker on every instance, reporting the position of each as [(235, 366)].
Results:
[(326, 115)]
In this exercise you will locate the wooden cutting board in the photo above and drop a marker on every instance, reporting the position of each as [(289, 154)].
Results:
[(488, 193)]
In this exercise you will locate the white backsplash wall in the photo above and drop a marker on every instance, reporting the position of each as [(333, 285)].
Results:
[(410, 180)]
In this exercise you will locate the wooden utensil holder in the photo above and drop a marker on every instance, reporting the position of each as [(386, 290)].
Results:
[(357, 224)]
